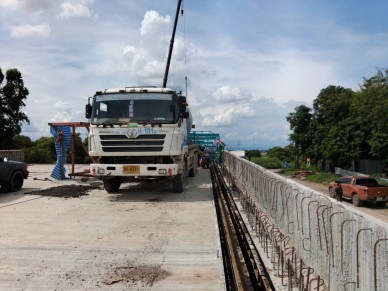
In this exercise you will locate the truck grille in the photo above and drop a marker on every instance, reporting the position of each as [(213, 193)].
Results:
[(142, 143)]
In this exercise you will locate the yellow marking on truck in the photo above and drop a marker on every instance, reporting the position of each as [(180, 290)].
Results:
[(131, 169)]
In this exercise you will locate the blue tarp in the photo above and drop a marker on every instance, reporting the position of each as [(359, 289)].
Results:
[(61, 147)]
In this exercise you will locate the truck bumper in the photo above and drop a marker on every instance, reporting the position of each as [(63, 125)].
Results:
[(135, 170), (378, 199)]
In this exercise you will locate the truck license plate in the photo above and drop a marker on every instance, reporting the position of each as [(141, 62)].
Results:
[(381, 199), (131, 169)]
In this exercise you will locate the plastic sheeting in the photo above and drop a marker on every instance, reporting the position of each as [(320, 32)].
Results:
[(62, 144)]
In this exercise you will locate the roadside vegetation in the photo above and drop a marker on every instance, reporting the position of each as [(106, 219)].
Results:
[(13, 94), (343, 125), (42, 151)]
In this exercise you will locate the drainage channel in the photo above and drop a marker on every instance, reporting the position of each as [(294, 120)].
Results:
[(243, 266)]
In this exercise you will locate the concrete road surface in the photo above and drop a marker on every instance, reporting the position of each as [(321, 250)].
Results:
[(143, 238)]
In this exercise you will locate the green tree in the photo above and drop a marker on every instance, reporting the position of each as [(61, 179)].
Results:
[(267, 162), (81, 149), (301, 126), (252, 153), (333, 127), (12, 96), (370, 112), (283, 154), (43, 151), (21, 142)]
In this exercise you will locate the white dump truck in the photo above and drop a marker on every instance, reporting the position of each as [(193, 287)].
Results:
[(140, 133)]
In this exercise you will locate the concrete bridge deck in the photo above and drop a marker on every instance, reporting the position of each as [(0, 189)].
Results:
[(143, 238)]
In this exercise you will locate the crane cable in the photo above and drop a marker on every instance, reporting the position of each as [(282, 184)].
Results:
[(184, 42)]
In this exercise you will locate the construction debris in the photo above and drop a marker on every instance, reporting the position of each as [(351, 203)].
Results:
[(66, 191)]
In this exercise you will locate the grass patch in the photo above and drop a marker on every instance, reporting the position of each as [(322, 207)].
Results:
[(322, 178), (381, 182)]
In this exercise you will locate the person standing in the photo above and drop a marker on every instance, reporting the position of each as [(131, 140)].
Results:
[(338, 192)]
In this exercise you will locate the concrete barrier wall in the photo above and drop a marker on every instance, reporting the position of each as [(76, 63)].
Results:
[(345, 246)]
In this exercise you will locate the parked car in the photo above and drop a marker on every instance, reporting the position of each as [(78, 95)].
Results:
[(12, 175), (360, 189)]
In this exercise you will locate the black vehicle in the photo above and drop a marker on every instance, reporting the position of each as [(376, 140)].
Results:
[(12, 175)]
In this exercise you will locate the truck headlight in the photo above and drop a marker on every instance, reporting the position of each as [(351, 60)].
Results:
[(100, 170)]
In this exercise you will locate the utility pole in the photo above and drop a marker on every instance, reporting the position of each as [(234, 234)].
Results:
[(253, 141)]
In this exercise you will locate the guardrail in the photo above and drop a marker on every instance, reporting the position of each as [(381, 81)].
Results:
[(339, 245)]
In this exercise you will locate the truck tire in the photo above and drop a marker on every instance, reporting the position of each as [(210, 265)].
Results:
[(112, 185), (332, 192), (193, 170), (356, 200), (3, 187), (177, 183), (380, 203), (191, 173), (16, 181)]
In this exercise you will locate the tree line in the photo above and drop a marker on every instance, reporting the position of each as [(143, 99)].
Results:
[(42, 151), (13, 94), (343, 125)]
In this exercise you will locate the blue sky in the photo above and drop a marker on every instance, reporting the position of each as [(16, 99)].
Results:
[(249, 63)]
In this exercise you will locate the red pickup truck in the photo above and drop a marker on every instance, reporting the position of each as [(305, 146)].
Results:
[(360, 189)]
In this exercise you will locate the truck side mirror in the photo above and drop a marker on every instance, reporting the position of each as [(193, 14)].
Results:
[(88, 111), (182, 103), (184, 115)]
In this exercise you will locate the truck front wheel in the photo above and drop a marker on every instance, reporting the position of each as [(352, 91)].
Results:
[(112, 185), (16, 181), (177, 183)]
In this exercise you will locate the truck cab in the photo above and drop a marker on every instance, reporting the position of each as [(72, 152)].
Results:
[(140, 133)]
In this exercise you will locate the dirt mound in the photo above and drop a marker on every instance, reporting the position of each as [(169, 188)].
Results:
[(144, 274), (66, 191)]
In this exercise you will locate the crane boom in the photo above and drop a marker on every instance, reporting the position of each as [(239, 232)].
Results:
[(171, 45)]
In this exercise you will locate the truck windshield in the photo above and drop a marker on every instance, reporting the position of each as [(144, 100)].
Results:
[(136, 107)]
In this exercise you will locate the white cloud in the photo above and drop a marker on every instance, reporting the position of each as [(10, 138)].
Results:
[(144, 60), (69, 10), (225, 115), (225, 106), (227, 94), (153, 24), (34, 7), (11, 4), (28, 30), (229, 68)]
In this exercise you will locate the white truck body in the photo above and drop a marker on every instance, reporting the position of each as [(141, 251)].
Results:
[(140, 133)]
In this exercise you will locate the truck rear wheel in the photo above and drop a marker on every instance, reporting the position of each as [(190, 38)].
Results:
[(177, 183), (112, 185), (356, 200), (332, 192)]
